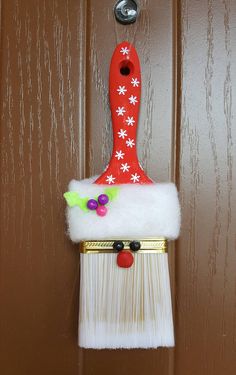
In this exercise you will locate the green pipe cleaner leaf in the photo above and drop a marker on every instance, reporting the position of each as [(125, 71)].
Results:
[(73, 199), (112, 192)]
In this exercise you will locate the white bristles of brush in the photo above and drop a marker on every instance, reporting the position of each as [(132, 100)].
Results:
[(125, 308)]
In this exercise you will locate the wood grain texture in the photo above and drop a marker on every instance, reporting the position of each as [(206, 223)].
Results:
[(51, 119), (206, 257), (42, 135)]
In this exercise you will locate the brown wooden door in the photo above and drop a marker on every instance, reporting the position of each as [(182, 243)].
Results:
[(55, 125)]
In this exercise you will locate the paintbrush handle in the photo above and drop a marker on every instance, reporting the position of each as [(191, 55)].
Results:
[(125, 95)]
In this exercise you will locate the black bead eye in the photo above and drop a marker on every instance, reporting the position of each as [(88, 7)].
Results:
[(135, 245), (118, 245)]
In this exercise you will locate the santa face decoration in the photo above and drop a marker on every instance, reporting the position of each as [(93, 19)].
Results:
[(122, 221)]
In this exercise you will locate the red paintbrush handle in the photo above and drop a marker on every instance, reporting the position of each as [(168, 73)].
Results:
[(125, 94)]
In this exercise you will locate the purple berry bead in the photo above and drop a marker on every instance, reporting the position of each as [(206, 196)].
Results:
[(92, 204), (103, 199)]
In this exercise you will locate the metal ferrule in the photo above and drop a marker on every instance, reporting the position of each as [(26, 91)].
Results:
[(150, 245)]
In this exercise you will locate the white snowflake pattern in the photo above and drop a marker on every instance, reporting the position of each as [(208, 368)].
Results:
[(135, 82), (122, 133), (135, 177), (124, 51), (121, 90), (133, 99), (110, 179), (130, 121), (119, 155), (125, 167), (120, 111), (130, 143)]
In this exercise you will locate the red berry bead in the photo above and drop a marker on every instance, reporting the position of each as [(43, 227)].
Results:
[(101, 211), (125, 259)]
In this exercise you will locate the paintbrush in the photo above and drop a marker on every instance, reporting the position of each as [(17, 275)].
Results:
[(122, 221)]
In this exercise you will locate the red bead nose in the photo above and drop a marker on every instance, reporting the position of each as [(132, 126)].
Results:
[(125, 259)]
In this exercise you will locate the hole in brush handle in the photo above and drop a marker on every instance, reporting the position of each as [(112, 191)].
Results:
[(126, 68)]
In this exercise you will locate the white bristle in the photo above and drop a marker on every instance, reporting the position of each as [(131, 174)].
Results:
[(125, 308)]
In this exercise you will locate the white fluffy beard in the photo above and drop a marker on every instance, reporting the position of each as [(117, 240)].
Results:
[(125, 308)]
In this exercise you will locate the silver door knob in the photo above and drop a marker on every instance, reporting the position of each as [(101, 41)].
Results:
[(126, 11)]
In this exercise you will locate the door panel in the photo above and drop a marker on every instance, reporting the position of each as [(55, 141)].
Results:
[(41, 150), (56, 125), (205, 254)]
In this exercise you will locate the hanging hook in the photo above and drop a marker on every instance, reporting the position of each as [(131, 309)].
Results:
[(126, 11)]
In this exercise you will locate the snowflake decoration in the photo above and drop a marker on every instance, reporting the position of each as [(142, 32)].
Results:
[(120, 111), (124, 51), (119, 155), (130, 143), (125, 167), (110, 179), (122, 133), (133, 99), (130, 121), (135, 82), (135, 177), (121, 90)]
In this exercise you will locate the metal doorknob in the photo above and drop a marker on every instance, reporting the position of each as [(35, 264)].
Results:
[(126, 11)]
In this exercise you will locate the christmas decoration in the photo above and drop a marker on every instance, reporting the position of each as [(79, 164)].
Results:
[(123, 220)]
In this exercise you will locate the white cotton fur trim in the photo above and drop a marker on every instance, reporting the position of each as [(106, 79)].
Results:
[(125, 308), (139, 211)]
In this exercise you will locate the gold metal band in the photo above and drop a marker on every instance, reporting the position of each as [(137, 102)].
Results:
[(151, 245)]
